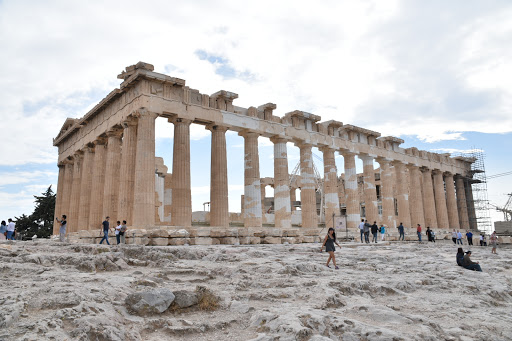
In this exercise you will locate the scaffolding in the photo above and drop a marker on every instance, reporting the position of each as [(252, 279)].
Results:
[(478, 198)]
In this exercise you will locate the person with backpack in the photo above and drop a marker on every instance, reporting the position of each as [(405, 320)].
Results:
[(329, 241), (374, 232), (122, 232)]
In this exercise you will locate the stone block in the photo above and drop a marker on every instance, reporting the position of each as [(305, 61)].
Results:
[(159, 241), (159, 233), (275, 232), (179, 233), (243, 232), (179, 241), (88, 240), (291, 240), (259, 233), (308, 239), (201, 241), (290, 233), (501, 240), (249, 240), (215, 241), (229, 241), (310, 232), (138, 241), (218, 233), (202, 232), (85, 234), (271, 240)]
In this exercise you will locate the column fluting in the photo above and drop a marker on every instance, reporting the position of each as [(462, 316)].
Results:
[(415, 199), (351, 193), (369, 190), (386, 190), (282, 199), (98, 183), (111, 187), (85, 188), (219, 204), (429, 204), (462, 203), (404, 215), (331, 201), (74, 203), (127, 171), (307, 190), (451, 202), (252, 182), (440, 198)]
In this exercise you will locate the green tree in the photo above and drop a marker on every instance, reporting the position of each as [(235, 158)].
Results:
[(40, 222)]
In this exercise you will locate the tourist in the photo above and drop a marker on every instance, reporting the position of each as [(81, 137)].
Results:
[(484, 239), (374, 231), (329, 241), (361, 229), (118, 229), (469, 237), (460, 256), (429, 233), (481, 239), (469, 264), (454, 237), (62, 229), (106, 229), (418, 231), (366, 230), (3, 230), (433, 234), (11, 229), (494, 241), (382, 230), (401, 231), (122, 232), (459, 238)]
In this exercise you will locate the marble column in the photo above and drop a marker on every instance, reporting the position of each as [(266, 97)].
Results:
[(263, 208), (181, 209), (282, 204), (307, 190), (388, 204), (440, 198), (144, 183), (429, 204), (462, 203), (74, 202), (415, 199), (58, 199), (85, 188), (369, 190), (331, 201), (451, 202), (404, 215), (98, 183), (111, 187), (341, 191), (351, 192), (219, 209), (127, 171), (293, 197), (252, 182), (68, 184), (473, 225)]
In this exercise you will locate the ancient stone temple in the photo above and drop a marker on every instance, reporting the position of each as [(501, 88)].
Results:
[(107, 165)]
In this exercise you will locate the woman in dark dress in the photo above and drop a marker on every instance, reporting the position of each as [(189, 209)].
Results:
[(329, 241)]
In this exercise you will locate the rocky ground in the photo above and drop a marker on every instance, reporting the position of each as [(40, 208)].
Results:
[(396, 291)]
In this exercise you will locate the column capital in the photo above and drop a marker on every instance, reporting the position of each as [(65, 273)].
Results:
[(383, 160), (366, 157), (131, 121), (100, 141), (303, 144), (143, 112), (78, 155), (116, 132), (436, 171), (424, 169), (398, 163), (346, 152), (248, 134), (324, 149), (279, 139), (216, 127), (412, 166), (179, 120), (448, 174)]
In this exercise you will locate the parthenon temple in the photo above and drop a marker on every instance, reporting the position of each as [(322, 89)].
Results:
[(108, 167)]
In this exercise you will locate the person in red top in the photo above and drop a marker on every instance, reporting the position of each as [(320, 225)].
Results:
[(418, 230)]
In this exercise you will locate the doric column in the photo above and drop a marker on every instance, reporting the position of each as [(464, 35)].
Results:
[(282, 204), (219, 210), (111, 189), (388, 204), (263, 210), (332, 203), (85, 188), (429, 204), (58, 199), (252, 182), (74, 203), (98, 183), (293, 197), (307, 189), (415, 199), (451, 201), (144, 191), (68, 185), (127, 171), (404, 215), (351, 194), (181, 209), (341, 191), (473, 225), (462, 203), (440, 197), (370, 193)]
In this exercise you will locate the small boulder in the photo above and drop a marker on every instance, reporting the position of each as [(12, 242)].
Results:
[(185, 299), (154, 301)]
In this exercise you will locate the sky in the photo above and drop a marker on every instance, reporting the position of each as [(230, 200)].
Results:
[(437, 74)]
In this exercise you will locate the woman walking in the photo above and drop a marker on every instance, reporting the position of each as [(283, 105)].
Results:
[(494, 241), (329, 241), (3, 230)]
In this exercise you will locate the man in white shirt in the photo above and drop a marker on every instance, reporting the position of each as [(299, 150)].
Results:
[(459, 238), (361, 229), (11, 227)]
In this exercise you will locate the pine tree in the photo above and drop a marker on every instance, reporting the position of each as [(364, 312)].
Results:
[(40, 222)]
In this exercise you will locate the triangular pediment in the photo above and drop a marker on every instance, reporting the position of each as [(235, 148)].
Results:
[(68, 124)]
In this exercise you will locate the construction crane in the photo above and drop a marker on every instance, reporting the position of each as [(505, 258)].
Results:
[(507, 211)]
